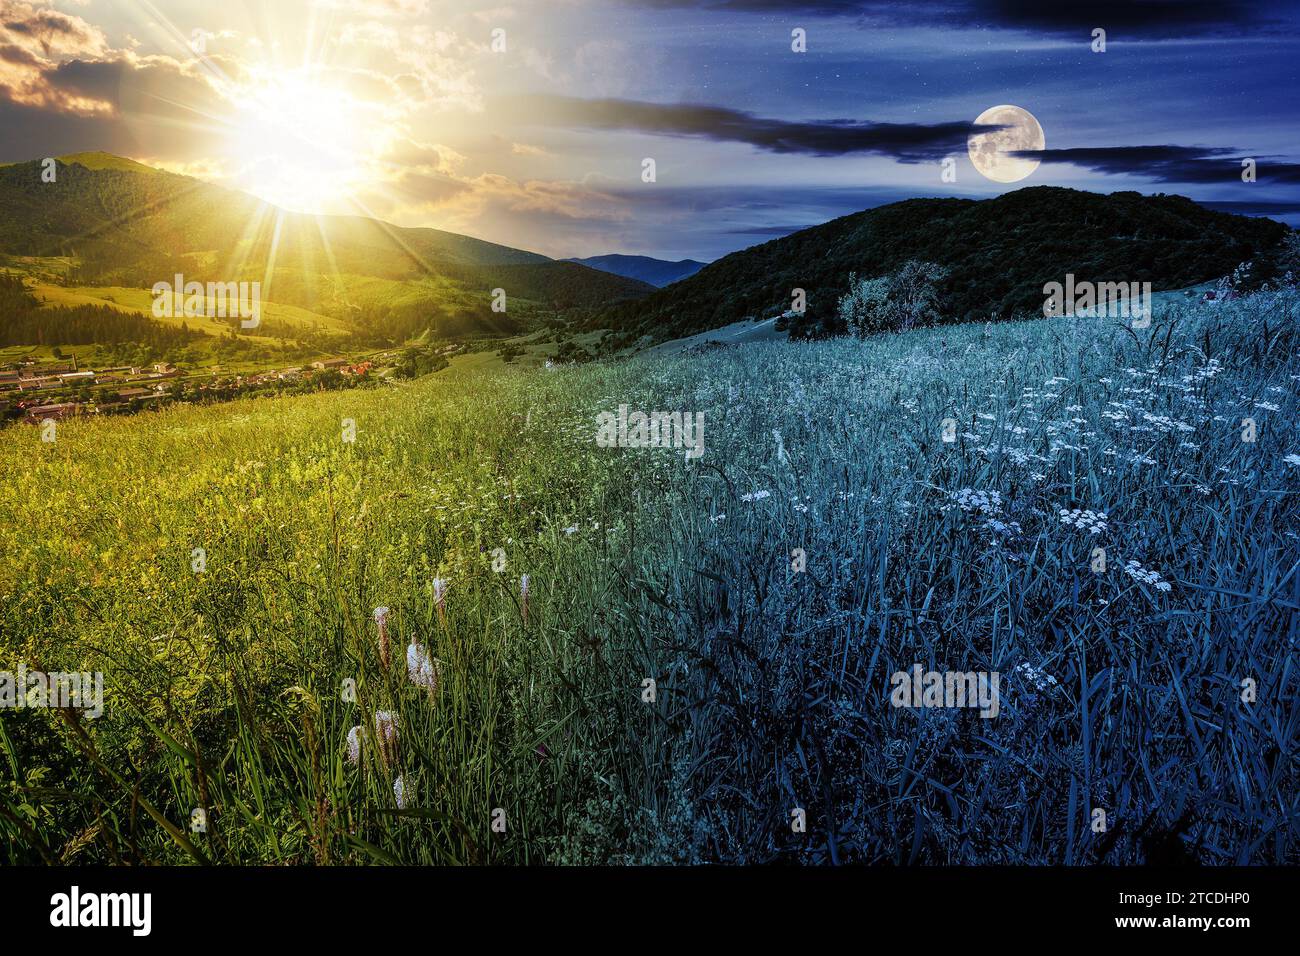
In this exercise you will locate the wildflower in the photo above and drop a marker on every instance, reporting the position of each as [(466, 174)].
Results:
[(354, 745), (970, 500), (440, 597), (399, 792), (1093, 522), (1292, 460), (1140, 574), (755, 496), (523, 596), (1034, 679), (421, 668), (381, 619), (1005, 528), (386, 732)]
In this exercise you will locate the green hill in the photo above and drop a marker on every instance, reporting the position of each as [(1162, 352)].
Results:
[(108, 221), (100, 160), (999, 253)]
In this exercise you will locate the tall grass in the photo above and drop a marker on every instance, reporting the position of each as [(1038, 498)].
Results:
[(225, 687)]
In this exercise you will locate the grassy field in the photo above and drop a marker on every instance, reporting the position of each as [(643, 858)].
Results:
[(1122, 689)]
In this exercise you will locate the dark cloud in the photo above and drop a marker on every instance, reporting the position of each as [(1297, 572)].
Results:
[(1145, 18), (1169, 164), (31, 132), (1148, 19), (906, 142)]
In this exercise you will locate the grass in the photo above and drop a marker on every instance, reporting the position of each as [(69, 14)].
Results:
[(141, 301), (225, 688)]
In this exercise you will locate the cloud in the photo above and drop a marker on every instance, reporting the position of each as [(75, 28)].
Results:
[(1147, 19), (47, 32), (1169, 163), (906, 142)]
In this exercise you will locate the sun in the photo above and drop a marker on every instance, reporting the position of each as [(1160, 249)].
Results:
[(299, 142)]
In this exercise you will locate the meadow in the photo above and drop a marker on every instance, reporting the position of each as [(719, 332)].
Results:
[(222, 567)]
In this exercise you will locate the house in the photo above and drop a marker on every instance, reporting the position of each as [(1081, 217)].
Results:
[(78, 378), (37, 382), (164, 368), (329, 363), (126, 394), (39, 413)]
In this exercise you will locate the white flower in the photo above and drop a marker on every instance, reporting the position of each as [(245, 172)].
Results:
[(1140, 574), (1093, 522), (420, 667), (381, 616), (1006, 528), (1292, 460), (571, 529), (386, 727), (354, 745), (970, 500), (756, 496), (1033, 677), (399, 792), (439, 590)]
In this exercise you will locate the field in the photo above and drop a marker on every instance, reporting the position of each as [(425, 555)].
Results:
[(222, 565)]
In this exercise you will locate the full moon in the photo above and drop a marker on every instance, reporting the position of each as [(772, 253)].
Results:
[(991, 152)]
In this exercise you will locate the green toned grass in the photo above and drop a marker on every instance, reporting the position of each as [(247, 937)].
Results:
[(141, 301), (224, 687)]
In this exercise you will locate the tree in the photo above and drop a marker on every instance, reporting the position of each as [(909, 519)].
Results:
[(865, 307), (907, 297)]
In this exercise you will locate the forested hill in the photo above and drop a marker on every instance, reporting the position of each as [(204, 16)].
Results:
[(999, 252), (120, 223)]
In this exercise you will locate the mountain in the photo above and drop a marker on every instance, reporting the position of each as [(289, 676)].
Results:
[(656, 272), (108, 221), (999, 253)]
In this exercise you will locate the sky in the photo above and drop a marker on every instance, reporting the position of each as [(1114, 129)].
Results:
[(529, 124)]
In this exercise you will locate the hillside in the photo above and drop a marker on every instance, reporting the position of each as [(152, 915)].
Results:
[(999, 252), (656, 272), (117, 223)]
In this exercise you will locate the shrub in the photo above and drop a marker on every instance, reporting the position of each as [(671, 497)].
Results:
[(902, 300)]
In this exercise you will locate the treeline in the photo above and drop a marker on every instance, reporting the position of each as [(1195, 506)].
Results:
[(23, 321)]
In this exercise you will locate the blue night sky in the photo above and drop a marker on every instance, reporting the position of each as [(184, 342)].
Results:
[(540, 145)]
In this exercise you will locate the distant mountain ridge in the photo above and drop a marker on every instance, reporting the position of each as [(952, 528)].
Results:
[(121, 223), (656, 272), (999, 253)]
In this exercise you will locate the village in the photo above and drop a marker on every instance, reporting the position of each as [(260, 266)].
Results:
[(34, 392)]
